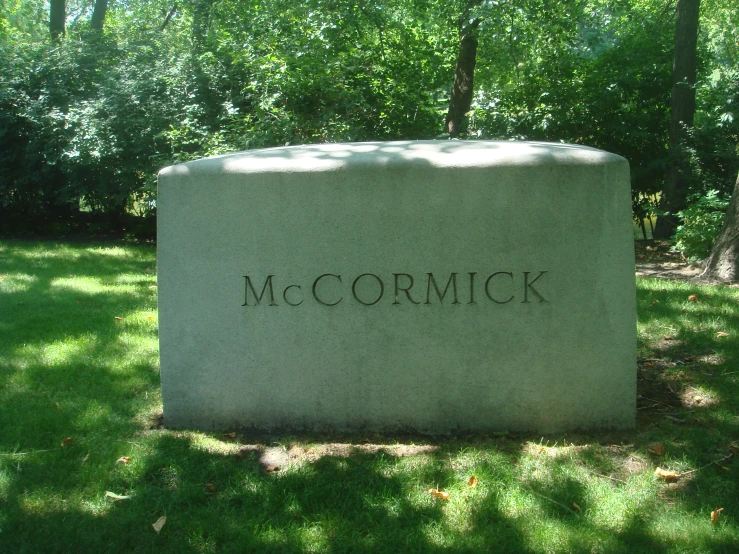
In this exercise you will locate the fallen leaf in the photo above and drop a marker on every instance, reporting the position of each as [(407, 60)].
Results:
[(715, 515), (151, 317), (84, 459), (440, 494), (118, 318), (667, 475), (123, 460), (578, 508), (721, 334), (115, 496), (158, 524), (472, 481), (210, 487), (271, 469), (229, 435), (657, 449), (67, 441), (693, 298), (654, 302), (153, 287), (3, 276)]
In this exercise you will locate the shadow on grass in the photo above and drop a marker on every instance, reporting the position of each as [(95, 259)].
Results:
[(688, 383), (69, 368), (76, 345)]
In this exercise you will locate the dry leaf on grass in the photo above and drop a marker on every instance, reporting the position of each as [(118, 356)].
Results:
[(577, 507), (118, 318), (123, 460), (472, 481), (667, 475), (67, 441), (115, 496), (158, 524), (715, 515), (654, 302), (439, 494), (657, 449), (693, 298), (210, 487), (722, 334)]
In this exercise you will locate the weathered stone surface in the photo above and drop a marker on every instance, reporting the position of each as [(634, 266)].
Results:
[(429, 286)]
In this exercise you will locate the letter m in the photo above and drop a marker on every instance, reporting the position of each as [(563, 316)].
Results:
[(432, 282), (249, 286)]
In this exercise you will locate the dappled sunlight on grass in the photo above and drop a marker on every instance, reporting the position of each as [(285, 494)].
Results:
[(16, 282), (207, 443), (79, 361), (64, 352), (99, 507), (68, 252), (86, 285)]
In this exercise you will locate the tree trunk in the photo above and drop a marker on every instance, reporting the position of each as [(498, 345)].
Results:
[(98, 15), (460, 100), (57, 17), (723, 264), (681, 115), (201, 20)]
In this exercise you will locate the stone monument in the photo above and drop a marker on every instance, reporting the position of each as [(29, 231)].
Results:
[(431, 286)]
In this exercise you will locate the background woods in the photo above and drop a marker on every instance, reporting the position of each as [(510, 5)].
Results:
[(96, 96)]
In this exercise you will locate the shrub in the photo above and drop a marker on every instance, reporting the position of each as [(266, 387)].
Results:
[(701, 224)]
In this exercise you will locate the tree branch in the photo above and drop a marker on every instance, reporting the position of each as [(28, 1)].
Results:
[(170, 15)]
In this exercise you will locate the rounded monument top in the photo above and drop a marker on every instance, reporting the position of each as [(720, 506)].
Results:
[(425, 153)]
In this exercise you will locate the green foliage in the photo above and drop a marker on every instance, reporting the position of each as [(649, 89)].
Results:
[(86, 124), (593, 74), (701, 224)]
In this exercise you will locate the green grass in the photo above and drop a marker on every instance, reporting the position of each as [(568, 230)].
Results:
[(70, 368)]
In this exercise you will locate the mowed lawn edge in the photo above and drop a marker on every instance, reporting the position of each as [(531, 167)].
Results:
[(85, 466)]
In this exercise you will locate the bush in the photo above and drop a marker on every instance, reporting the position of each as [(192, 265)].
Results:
[(701, 224)]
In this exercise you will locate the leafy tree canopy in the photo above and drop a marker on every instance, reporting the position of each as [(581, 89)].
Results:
[(86, 121)]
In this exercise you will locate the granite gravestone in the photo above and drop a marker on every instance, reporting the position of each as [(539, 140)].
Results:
[(434, 286)]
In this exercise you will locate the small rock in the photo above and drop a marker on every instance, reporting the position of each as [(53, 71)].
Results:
[(273, 459)]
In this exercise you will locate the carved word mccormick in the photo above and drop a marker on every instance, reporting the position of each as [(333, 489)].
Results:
[(368, 289)]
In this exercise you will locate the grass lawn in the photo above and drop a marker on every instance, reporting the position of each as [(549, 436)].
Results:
[(79, 390)]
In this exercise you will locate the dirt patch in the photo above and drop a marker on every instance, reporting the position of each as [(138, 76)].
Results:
[(345, 450), (659, 395), (656, 259), (280, 457)]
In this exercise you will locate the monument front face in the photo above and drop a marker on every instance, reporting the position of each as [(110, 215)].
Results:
[(428, 286)]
